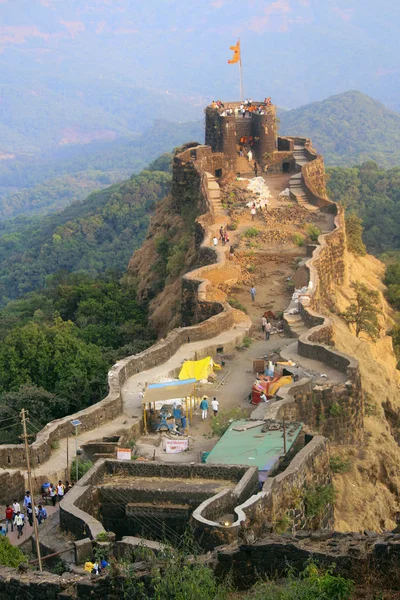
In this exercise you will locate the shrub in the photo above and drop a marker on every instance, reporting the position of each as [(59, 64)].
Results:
[(317, 499), (10, 556), (236, 304), (298, 239), (313, 232), (251, 232), (335, 410), (83, 467), (339, 464), (233, 226), (247, 341)]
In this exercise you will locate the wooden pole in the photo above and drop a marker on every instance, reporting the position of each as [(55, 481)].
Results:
[(241, 74), (144, 418), (66, 472), (28, 468), (284, 433)]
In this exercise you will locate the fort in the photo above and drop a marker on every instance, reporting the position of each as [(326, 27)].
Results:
[(203, 494)]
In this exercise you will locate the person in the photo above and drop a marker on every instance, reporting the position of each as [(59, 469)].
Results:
[(67, 487), (231, 252), (226, 237), (204, 408), (42, 514), (250, 155), (215, 406), (29, 514), (263, 397), (104, 564), (255, 167), (263, 323), (221, 232), (96, 568), (53, 494), (16, 508), (253, 212), (3, 531), (27, 499), (215, 240), (19, 523), (268, 329), (60, 490), (253, 293), (9, 517)]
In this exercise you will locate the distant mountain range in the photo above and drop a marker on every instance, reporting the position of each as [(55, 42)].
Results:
[(347, 129)]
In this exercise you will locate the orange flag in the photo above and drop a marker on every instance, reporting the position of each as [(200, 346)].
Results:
[(236, 54)]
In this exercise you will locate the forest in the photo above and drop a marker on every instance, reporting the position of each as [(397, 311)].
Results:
[(373, 193), (41, 184), (348, 129), (90, 237), (68, 312), (57, 345)]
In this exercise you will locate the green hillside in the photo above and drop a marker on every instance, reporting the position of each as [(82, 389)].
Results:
[(89, 237), (347, 129), (373, 194), (45, 184)]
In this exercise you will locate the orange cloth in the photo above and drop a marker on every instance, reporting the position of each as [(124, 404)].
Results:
[(236, 54)]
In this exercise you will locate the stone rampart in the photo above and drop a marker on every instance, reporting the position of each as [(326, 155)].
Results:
[(363, 557), (78, 509), (211, 318), (282, 501), (336, 411)]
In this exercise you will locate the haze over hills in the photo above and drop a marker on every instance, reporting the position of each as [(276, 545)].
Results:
[(80, 71), (349, 128)]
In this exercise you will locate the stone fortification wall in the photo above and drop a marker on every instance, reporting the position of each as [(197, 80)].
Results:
[(12, 485), (79, 509), (190, 183), (282, 499), (336, 411), (224, 133), (363, 557)]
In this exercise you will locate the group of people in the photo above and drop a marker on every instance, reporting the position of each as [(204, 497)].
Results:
[(96, 567), (223, 236), (266, 327), (56, 492), (204, 407), (15, 517), (246, 108)]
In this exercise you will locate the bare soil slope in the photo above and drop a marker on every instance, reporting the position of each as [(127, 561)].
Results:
[(369, 493)]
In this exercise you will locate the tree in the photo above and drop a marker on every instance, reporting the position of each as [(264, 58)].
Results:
[(362, 313), (354, 230)]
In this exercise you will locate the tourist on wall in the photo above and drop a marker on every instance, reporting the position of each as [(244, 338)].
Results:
[(60, 490), (29, 514), (268, 329), (250, 155), (19, 523), (263, 323), (204, 407), (53, 494), (253, 293), (215, 406), (16, 508), (215, 241), (9, 517)]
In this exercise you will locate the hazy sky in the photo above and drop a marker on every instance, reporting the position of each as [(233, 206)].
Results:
[(295, 50)]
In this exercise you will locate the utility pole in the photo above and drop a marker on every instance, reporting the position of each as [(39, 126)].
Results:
[(75, 423), (284, 433), (28, 468)]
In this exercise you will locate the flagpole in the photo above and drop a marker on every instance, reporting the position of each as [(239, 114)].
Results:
[(241, 74)]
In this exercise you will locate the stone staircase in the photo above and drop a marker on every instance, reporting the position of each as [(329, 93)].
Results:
[(296, 324), (214, 195), (244, 167), (296, 184)]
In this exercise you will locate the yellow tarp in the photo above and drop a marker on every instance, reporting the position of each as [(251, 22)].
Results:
[(198, 369), (282, 381)]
